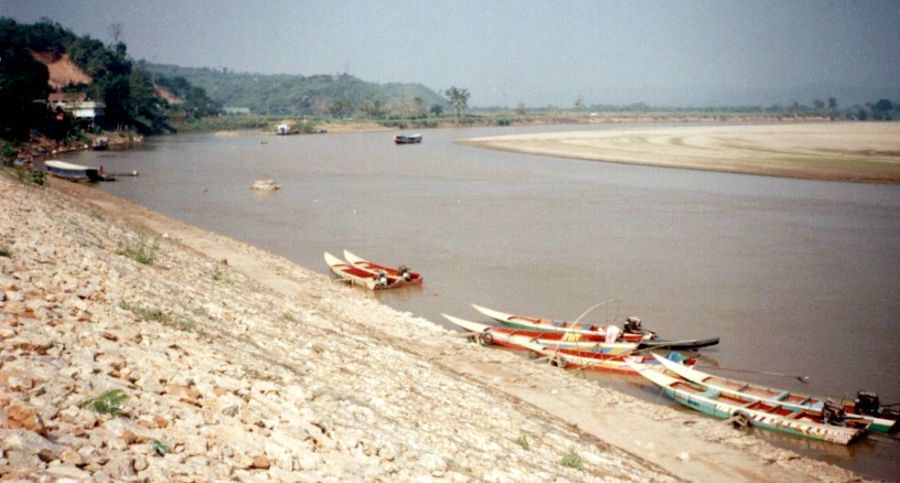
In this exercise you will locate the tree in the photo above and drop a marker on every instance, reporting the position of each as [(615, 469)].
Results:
[(832, 103), (883, 110), (818, 104), (579, 104), (437, 110), (459, 99)]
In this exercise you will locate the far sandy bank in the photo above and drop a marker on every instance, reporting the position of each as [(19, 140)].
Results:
[(849, 151)]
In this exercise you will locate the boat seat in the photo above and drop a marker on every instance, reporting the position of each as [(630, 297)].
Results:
[(794, 414), (782, 396), (745, 386)]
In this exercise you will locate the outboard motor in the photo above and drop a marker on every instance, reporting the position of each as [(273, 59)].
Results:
[(404, 272), (867, 403), (833, 413), (382, 279), (633, 325)]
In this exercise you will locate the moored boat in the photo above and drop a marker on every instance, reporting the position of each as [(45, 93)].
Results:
[(358, 276), (407, 139), (402, 272), (613, 361), (788, 399), (589, 331), (73, 172), (753, 412)]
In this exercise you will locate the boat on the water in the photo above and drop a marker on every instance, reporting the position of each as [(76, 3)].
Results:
[(588, 331), (612, 361), (751, 411), (859, 409), (73, 172), (402, 272), (407, 139), (357, 276)]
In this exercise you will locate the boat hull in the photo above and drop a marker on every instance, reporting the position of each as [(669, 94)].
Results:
[(772, 417)]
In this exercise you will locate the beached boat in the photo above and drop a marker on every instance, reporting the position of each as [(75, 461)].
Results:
[(593, 360), (73, 172), (407, 139), (750, 411), (358, 276), (402, 272), (589, 331), (788, 399), (487, 335)]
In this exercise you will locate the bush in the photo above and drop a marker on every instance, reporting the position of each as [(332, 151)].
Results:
[(572, 460), (110, 402), (140, 252)]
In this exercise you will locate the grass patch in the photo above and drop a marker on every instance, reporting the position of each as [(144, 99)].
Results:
[(572, 460), (218, 275), (152, 314), (95, 215), (523, 442), (141, 251), (110, 402), (288, 317), (146, 314)]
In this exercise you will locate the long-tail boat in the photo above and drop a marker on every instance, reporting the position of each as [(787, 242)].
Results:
[(788, 399), (401, 272), (751, 411), (589, 331), (357, 276), (613, 360)]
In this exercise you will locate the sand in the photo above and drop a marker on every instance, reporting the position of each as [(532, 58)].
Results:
[(849, 151)]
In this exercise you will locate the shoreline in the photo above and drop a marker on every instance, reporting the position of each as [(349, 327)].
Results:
[(672, 444), (853, 152)]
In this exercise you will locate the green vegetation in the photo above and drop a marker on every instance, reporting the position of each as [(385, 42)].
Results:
[(158, 446), (141, 251), (145, 314), (95, 215), (110, 402), (218, 275), (288, 316), (339, 96), (152, 314), (522, 441), (572, 460), (129, 93)]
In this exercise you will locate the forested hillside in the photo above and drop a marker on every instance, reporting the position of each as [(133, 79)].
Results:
[(128, 93), (332, 95)]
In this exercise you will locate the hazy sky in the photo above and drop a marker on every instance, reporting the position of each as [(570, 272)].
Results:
[(534, 52)]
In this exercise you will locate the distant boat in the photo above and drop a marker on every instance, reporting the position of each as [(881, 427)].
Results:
[(76, 172), (407, 139)]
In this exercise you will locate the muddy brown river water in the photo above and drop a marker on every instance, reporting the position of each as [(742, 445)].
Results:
[(797, 277)]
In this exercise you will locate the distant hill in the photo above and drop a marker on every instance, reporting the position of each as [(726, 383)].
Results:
[(285, 94)]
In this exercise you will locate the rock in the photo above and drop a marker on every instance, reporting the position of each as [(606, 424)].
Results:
[(265, 184), (20, 415), (260, 462), (68, 471)]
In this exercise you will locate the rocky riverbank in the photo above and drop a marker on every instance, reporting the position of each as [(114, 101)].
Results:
[(136, 347)]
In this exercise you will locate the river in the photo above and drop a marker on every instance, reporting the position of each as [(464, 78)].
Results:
[(797, 277)]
